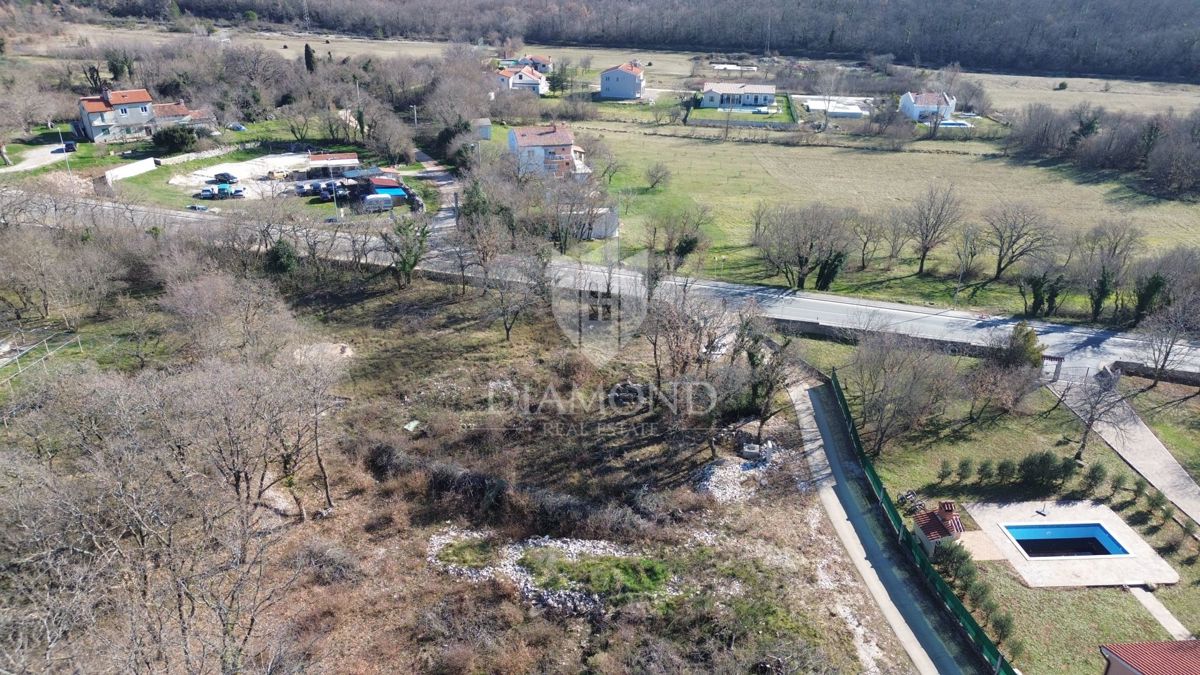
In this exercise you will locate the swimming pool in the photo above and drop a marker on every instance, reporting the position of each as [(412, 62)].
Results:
[(1059, 540)]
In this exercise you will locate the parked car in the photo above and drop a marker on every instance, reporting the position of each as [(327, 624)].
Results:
[(224, 191), (329, 194), (277, 174), (197, 207), (69, 146), (225, 177), (236, 127), (208, 193), (239, 193)]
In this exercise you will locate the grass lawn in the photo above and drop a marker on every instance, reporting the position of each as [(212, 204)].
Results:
[(1062, 629), (1172, 411)]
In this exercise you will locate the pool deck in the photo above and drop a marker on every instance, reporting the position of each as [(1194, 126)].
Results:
[(1142, 566)]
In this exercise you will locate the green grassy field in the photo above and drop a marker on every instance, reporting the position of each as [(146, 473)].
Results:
[(784, 115), (1173, 412)]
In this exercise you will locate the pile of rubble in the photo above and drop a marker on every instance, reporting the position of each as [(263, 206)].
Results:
[(731, 481), (507, 566)]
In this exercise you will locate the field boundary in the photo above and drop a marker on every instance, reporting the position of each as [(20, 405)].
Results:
[(916, 552)]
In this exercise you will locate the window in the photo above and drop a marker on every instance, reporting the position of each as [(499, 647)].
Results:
[(123, 111), (145, 109)]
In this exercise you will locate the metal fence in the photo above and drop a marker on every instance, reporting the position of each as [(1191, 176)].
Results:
[(916, 552)]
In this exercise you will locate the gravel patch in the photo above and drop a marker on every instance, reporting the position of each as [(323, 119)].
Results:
[(732, 481)]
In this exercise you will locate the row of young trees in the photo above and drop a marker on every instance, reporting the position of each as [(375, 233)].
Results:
[(1107, 264), (1162, 149)]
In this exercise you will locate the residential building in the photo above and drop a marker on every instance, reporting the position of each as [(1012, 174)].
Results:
[(117, 116), (547, 150), (626, 81), (934, 528), (540, 63), (524, 77), (922, 106), (1178, 657), (736, 95), (170, 114)]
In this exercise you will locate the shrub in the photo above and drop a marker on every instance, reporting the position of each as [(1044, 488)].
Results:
[(1039, 470), (989, 607), (175, 139), (1118, 483), (1168, 512), (951, 558), (986, 471), (1006, 470), (1094, 477), (967, 574), (1189, 527), (281, 258), (1003, 625), (1139, 487), (966, 468), (1060, 86), (944, 471), (978, 592), (1155, 500), (1016, 649), (328, 562), (1067, 468)]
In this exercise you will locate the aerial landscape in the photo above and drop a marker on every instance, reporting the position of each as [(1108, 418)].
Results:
[(594, 337)]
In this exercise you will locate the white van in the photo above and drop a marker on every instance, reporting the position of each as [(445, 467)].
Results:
[(376, 203)]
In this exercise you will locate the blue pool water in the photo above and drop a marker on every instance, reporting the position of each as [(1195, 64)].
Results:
[(1065, 539)]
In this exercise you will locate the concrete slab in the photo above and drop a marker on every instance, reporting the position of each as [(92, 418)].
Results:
[(980, 546), (1161, 614), (1142, 566)]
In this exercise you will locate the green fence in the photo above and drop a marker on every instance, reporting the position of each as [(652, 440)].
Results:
[(916, 552)]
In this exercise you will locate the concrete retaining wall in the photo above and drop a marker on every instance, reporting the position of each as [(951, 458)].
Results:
[(205, 154), (1172, 376)]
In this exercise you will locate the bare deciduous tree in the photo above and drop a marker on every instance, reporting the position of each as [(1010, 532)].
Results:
[(932, 219), (1014, 231)]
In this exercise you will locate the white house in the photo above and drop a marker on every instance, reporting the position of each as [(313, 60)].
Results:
[(547, 150), (116, 116), (919, 107), (540, 63), (736, 95), (626, 81), (524, 77)]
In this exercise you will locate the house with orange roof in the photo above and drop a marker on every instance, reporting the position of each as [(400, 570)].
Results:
[(525, 78), (1176, 657), (547, 150), (624, 82), (117, 116)]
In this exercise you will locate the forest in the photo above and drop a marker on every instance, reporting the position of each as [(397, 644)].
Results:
[(1153, 39)]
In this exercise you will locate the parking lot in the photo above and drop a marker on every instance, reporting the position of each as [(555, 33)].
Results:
[(251, 174)]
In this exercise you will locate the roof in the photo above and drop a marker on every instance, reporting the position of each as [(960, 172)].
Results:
[(526, 70), (1158, 658), (949, 517), (555, 134), (931, 525), (626, 68), (930, 98), (739, 88), (128, 96), (538, 58), (94, 104), (384, 182), (171, 109), (335, 158)]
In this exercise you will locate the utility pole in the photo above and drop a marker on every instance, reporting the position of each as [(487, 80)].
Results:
[(414, 115)]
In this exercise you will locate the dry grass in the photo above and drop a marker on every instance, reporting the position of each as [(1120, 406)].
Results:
[(1014, 92)]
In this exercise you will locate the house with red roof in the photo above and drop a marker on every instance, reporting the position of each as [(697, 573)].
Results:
[(1180, 657), (939, 526), (539, 62), (525, 78), (626, 81), (547, 150), (919, 107), (117, 116)]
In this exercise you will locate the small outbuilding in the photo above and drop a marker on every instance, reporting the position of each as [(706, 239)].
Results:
[(482, 128), (935, 528)]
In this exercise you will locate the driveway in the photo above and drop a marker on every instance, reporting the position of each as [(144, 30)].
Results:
[(36, 157)]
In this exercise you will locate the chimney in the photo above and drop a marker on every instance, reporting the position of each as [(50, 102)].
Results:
[(104, 94), (949, 517)]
